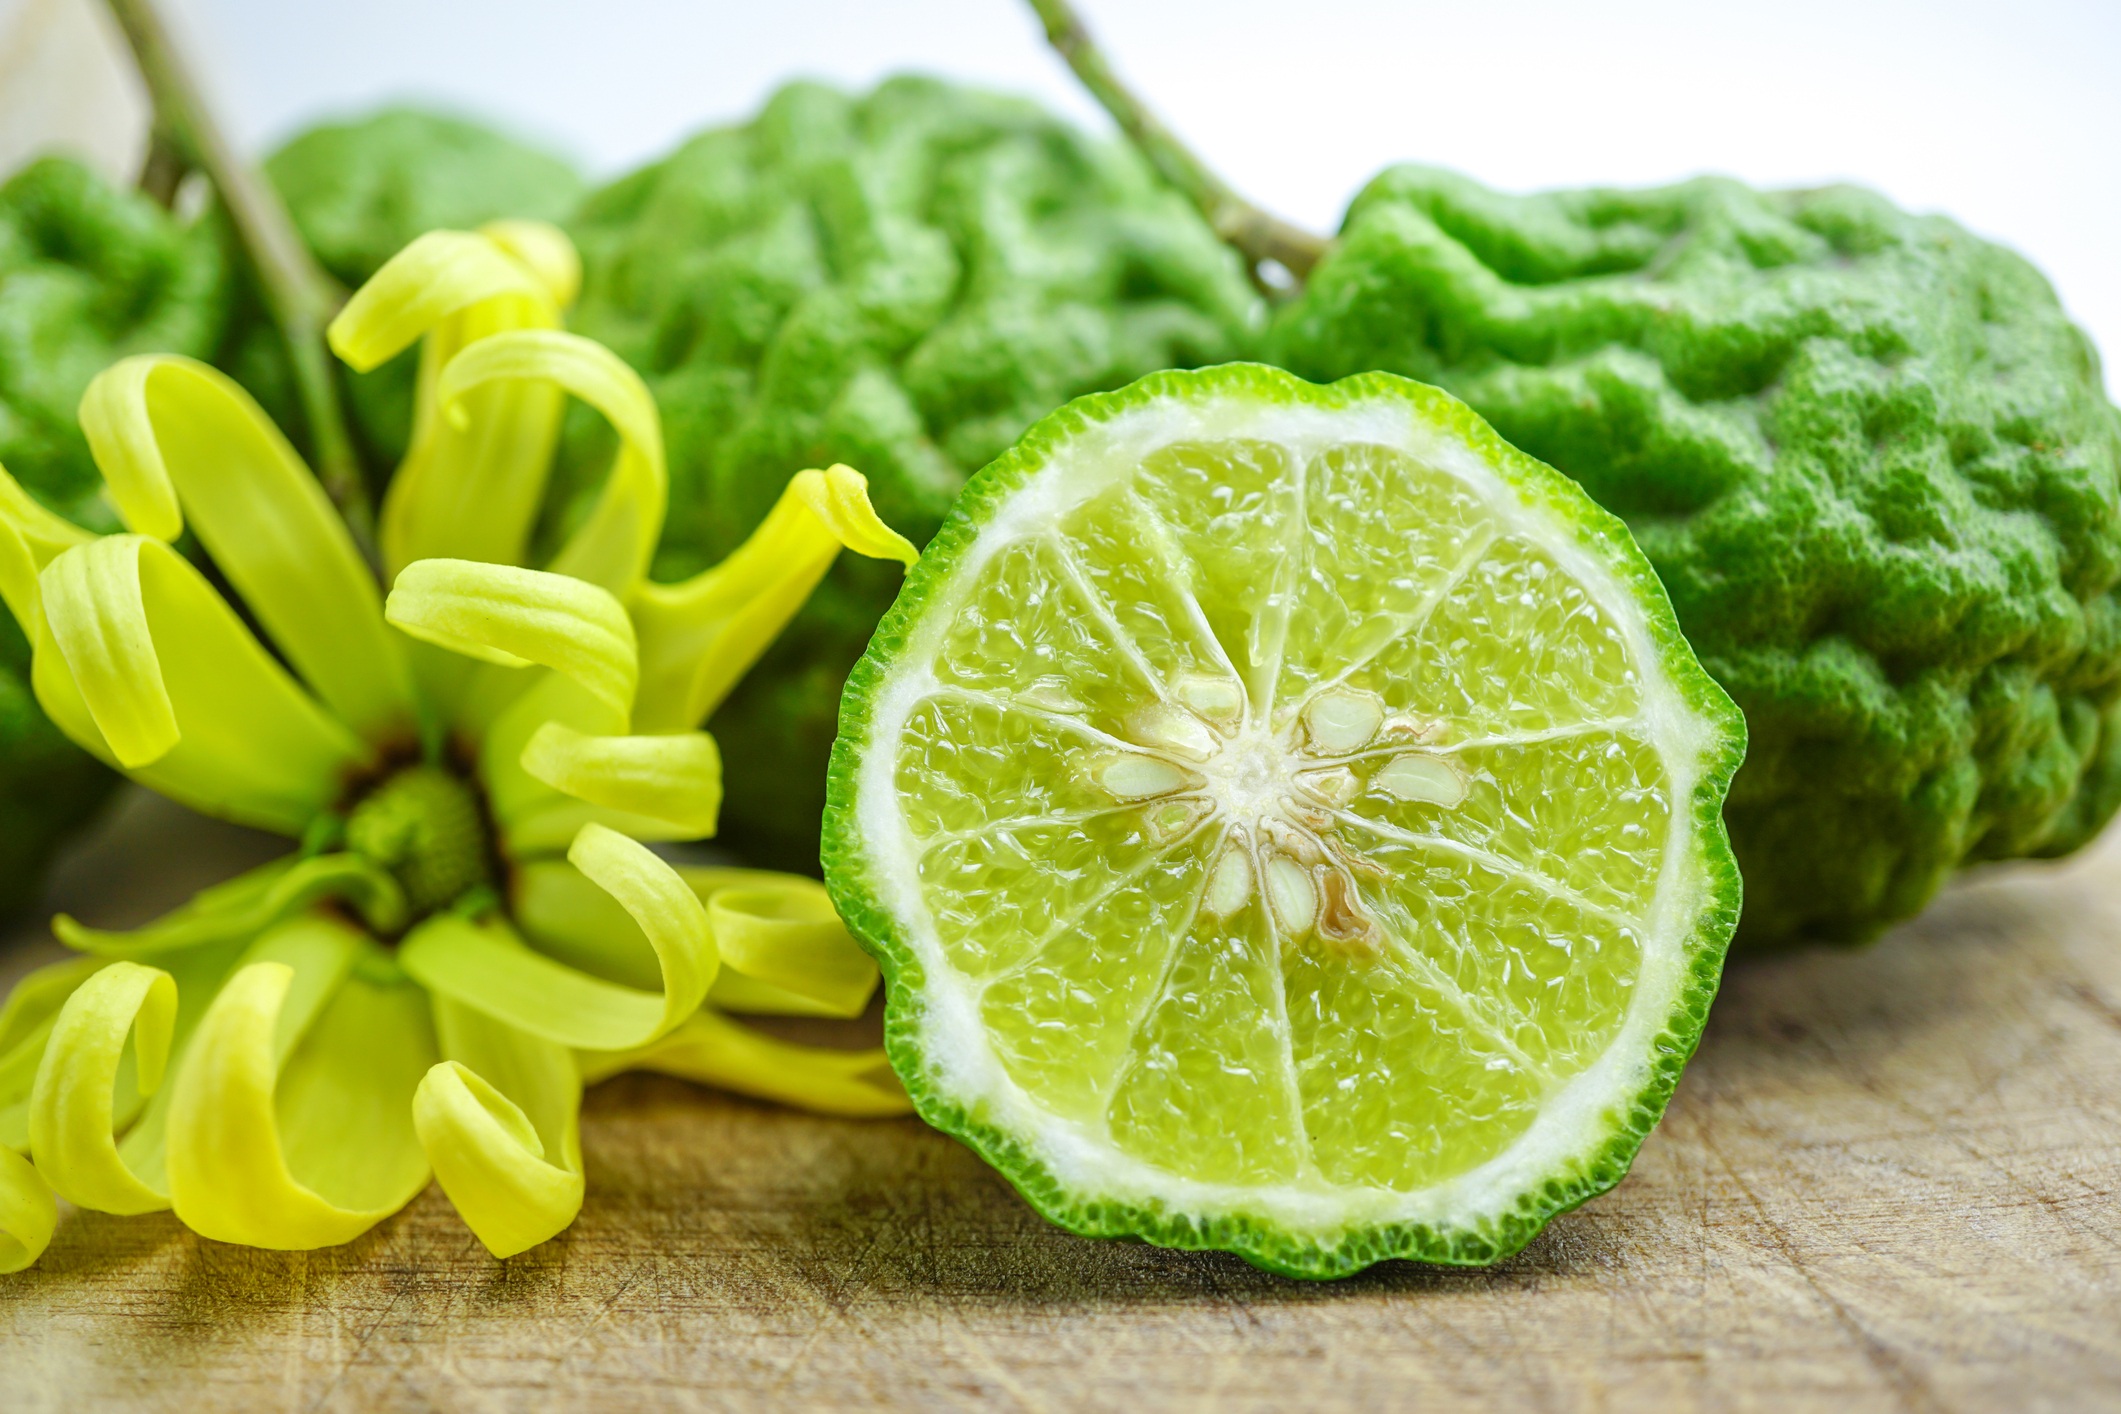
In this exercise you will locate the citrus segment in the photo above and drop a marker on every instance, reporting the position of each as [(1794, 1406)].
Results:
[(1063, 1019), (1517, 803), (1288, 821), (1207, 1089), (1375, 1041)]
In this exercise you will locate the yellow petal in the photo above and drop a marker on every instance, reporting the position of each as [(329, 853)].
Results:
[(469, 486), (515, 617), (438, 275), (72, 1117), (533, 817), (614, 544), (248, 905), (28, 1213), (661, 905), (199, 973), (26, 1023), (31, 537), (697, 638), (735, 992), (839, 497), (312, 1153), (568, 918), (484, 966), (169, 431), (544, 250), (142, 663), (500, 1121), (714, 1050), (676, 779), (551, 830), (44, 532), (787, 935)]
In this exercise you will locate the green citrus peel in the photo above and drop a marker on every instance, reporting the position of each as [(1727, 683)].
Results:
[(472, 925), (1287, 818)]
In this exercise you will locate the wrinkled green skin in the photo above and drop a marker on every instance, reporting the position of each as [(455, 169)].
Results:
[(904, 282), (88, 274), (358, 193), (1870, 458)]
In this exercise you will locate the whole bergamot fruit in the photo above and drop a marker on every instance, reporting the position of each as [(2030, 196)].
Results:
[(1866, 451), (902, 281)]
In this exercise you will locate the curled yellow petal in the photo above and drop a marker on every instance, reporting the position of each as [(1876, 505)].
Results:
[(72, 1116), (179, 441), (544, 250), (676, 778), (470, 484), (534, 817), (661, 905), (28, 1212), (248, 905), (697, 638), (440, 274), (500, 1121), (142, 663), (614, 544), (19, 568), (199, 973), (98, 620), (572, 920), (30, 538), (312, 1152), (714, 1050), (26, 1022), (515, 617), (548, 830), (787, 935), (485, 967), (839, 497), (45, 532)]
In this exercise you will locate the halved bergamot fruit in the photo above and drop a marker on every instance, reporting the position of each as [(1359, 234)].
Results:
[(1288, 821)]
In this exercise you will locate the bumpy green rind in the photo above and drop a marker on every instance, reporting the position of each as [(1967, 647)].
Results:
[(88, 274), (849, 872), (902, 281), (359, 192), (1868, 454)]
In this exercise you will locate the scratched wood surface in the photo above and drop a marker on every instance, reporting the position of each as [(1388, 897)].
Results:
[(1888, 1182)]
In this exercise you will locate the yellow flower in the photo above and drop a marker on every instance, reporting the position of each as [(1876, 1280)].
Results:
[(471, 928)]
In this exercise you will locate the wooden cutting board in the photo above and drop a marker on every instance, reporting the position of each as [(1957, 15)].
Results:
[(1888, 1182)]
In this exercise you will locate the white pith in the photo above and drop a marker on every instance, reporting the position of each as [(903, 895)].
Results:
[(1257, 781)]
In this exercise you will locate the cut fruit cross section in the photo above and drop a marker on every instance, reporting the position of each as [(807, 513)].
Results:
[(1288, 820)]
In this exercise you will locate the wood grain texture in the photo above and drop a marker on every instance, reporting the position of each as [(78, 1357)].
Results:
[(1888, 1182)]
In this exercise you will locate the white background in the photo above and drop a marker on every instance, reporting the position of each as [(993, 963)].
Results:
[(2004, 115)]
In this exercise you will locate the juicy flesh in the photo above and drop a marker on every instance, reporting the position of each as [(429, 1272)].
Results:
[(1293, 822)]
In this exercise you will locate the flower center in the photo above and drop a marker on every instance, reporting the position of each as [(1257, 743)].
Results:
[(427, 827)]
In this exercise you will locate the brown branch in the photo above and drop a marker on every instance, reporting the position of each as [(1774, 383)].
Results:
[(163, 170), (299, 297), (1258, 235)]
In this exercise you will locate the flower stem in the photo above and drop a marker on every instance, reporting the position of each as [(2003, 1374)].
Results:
[(1256, 234), (300, 297)]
